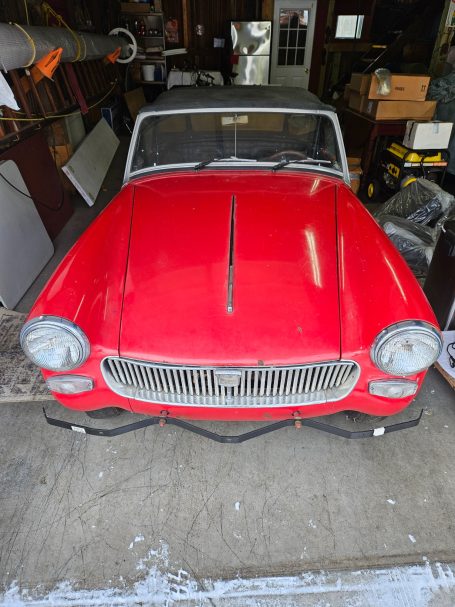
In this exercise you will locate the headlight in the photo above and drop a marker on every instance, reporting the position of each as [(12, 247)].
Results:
[(54, 343), (406, 348)]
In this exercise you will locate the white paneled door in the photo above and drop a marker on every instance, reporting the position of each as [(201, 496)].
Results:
[(292, 42)]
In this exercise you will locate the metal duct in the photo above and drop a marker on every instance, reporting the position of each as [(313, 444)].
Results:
[(20, 46)]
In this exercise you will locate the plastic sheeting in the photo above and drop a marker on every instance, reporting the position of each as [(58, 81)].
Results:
[(20, 46), (442, 90), (415, 242), (413, 218), (422, 202)]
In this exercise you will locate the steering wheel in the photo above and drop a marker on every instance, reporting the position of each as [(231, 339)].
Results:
[(130, 46), (284, 153)]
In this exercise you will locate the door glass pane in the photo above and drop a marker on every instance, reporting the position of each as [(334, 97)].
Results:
[(293, 18), (292, 35), (302, 38), (291, 57), (300, 57), (292, 38)]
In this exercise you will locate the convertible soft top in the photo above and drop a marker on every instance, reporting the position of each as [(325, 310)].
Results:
[(218, 97)]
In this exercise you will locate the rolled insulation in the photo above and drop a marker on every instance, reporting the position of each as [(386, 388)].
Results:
[(23, 45)]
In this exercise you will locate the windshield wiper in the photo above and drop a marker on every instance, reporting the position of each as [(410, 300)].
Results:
[(287, 161), (204, 163)]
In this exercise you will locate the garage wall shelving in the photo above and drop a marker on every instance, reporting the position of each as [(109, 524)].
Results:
[(147, 26)]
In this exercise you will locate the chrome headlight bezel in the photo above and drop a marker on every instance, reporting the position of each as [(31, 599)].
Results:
[(404, 327), (60, 324)]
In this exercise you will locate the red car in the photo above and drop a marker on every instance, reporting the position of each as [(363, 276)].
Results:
[(234, 277)]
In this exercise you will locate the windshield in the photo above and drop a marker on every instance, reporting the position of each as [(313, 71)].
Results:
[(243, 136)]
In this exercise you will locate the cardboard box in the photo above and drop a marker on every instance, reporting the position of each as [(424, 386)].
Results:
[(134, 100), (357, 102), (354, 161), (355, 175), (66, 130), (355, 172), (427, 135), (404, 87), (61, 154), (360, 83), (57, 133), (400, 110)]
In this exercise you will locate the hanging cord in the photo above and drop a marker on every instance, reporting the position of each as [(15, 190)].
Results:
[(41, 119), (451, 353), (32, 44), (26, 12), (48, 10), (41, 204), (37, 201)]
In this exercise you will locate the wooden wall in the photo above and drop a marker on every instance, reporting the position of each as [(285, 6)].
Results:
[(214, 16)]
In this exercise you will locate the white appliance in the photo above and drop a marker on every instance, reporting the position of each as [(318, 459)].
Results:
[(25, 247), (251, 49)]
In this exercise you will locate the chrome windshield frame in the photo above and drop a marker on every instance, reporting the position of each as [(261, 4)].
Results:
[(344, 173)]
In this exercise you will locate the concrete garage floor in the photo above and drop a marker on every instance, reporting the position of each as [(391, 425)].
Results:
[(152, 517)]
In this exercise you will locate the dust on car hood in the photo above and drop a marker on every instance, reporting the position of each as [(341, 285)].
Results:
[(278, 230)]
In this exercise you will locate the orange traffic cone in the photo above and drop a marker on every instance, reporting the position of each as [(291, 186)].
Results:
[(112, 57), (45, 67)]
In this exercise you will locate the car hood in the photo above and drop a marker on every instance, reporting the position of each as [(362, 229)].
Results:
[(282, 239)]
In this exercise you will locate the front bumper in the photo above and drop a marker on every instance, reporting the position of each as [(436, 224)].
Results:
[(358, 400), (298, 423)]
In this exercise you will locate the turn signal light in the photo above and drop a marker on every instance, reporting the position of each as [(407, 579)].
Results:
[(70, 384), (393, 388)]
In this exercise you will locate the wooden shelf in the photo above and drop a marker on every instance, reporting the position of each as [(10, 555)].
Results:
[(153, 82), (138, 14), (151, 60), (445, 375)]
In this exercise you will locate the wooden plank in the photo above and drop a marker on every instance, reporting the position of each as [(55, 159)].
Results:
[(186, 23), (267, 10), (20, 93), (134, 101), (445, 375)]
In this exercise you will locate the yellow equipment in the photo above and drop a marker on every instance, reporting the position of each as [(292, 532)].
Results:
[(398, 166)]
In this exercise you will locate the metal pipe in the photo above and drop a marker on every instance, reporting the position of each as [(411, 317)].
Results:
[(23, 45)]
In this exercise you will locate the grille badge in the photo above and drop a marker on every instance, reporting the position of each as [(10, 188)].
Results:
[(228, 379)]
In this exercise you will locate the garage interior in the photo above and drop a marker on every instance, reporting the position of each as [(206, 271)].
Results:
[(161, 516)]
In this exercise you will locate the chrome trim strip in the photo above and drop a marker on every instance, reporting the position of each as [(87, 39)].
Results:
[(230, 294), (195, 386), (128, 175)]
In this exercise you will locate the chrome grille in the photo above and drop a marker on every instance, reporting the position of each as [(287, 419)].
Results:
[(256, 386)]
